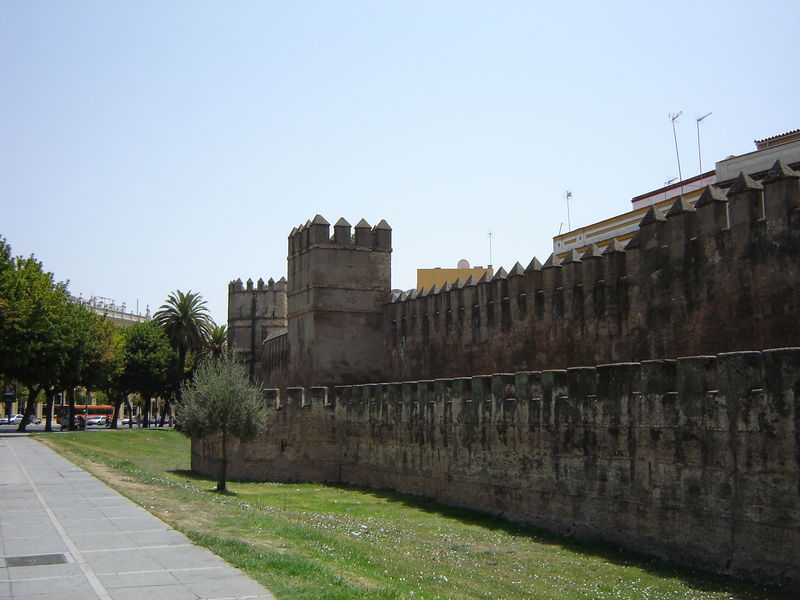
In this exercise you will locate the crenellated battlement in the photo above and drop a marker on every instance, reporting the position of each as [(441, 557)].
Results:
[(336, 291), (255, 314), (690, 458), (703, 278), (316, 233), (695, 386), (235, 287), (693, 458)]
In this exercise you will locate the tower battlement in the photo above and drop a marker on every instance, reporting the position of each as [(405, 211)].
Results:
[(317, 233), (336, 291), (255, 314)]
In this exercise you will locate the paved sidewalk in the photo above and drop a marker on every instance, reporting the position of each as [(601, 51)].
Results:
[(65, 535)]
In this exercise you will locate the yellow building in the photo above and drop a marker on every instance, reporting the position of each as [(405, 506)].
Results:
[(427, 278)]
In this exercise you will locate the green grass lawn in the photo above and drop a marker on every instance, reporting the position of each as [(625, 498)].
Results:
[(315, 542)]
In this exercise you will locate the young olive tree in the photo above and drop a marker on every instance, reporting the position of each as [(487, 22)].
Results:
[(221, 400)]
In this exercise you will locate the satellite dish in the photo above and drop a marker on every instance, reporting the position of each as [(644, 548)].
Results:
[(463, 264)]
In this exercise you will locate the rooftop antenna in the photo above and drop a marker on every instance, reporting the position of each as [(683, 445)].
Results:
[(567, 196), (673, 118), (490, 248), (667, 183), (700, 156)]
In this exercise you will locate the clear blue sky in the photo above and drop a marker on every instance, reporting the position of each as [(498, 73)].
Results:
[(158, 145)]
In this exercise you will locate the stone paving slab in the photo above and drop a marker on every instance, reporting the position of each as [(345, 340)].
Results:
[(112, 549)]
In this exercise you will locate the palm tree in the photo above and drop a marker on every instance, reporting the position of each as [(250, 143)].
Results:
[(185, 319), (218, 340)]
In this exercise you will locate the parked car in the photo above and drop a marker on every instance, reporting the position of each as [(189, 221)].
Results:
[(17, 419), (97, 421)]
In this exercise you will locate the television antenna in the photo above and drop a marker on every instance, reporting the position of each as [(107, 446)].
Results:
[(567, 196), (667, 183), (700, 156), (673, 118)]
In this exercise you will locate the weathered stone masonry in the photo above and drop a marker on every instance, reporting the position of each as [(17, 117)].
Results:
[(694, 459), (255, 314), (719, 276)]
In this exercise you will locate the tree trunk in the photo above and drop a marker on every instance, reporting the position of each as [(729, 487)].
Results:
[(181, 369), (223, 467), (130, 412), (146, 417), (167, 410), (117, 404), (48, 417), (30, 405)]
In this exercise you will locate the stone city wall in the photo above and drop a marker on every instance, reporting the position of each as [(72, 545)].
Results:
[(695, 459), (275, 360), (720, 276)]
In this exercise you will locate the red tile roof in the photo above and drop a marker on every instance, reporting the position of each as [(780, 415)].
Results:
[(775, 137)]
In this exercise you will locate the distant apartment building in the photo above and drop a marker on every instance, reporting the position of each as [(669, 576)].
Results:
[(622, 228), (106, 307)]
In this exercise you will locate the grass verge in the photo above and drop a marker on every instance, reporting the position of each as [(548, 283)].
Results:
[(326, 542)]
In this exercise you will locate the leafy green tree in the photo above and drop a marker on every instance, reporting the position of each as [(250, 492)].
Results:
[(221, 400), (106, 362), (72, 333), (148, 360), (6, 266), (31, 307), (6, 263), (47, 342)]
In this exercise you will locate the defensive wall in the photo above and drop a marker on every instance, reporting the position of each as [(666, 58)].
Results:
[(695, 459), (719, 276)]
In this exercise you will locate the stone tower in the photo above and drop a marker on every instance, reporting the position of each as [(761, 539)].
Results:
[(336, 292), (255, 314)]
